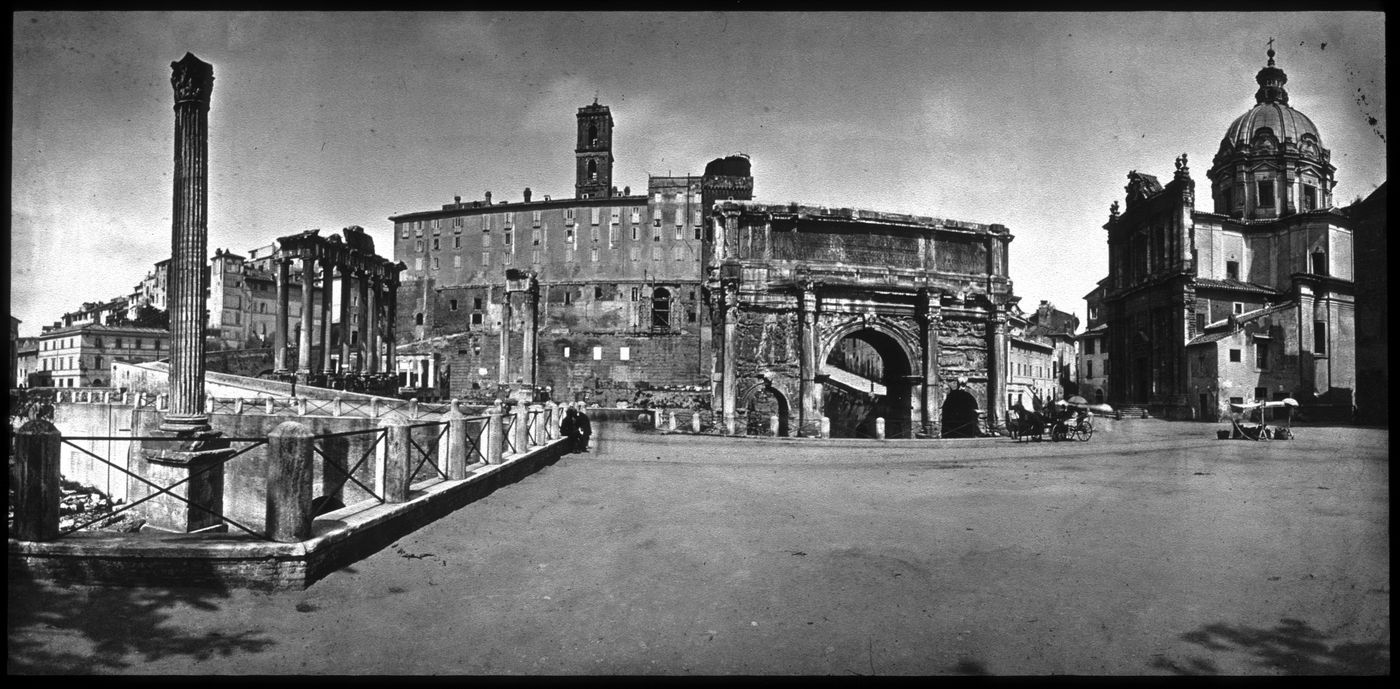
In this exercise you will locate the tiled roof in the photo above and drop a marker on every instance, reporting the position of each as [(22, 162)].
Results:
[(1236, 285)]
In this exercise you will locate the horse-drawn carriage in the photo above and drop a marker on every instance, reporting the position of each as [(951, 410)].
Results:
[(1067, 419)]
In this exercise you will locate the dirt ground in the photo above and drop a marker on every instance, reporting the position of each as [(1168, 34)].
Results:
[(1151, 549)]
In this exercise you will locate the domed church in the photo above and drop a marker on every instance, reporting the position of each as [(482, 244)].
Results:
[(1250, 297)]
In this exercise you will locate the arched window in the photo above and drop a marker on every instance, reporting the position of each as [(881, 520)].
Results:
[(418, 319), (661, 309), (593, 170), (592, 135)]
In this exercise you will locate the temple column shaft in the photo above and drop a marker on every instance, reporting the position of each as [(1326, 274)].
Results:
[(391, 337), (344, 320), (527, 347), (308, 316), (372, 327), (279, 336), (505, 338), (729, 385), (327, 293), (930, 373), (362, 365)]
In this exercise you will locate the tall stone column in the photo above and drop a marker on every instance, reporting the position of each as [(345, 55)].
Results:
[(391, 337), (327, 271), (344, 320), (729, 386), (279, 336), (183, 454), (531, 300), (372, 326), (996, 371), (931, 315), (193, 81), (308, 317), (809, 407), (362, 366), (505, 338)]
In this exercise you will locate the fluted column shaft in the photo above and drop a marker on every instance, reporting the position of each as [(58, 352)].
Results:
[(193, 82), (327, 273), (344, 320), (308, 314), (279, 333), (362, 366), (372, 327), (527, 345)]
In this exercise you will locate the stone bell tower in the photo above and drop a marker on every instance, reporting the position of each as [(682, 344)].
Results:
[(593, 155)]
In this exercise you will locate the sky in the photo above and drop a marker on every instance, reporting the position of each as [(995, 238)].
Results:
[(325, 120)]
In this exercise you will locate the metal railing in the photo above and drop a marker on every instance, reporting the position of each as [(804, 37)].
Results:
[(164, 490), (348, 474)]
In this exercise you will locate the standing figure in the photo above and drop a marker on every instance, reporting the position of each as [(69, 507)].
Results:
[(569, 428), (585, 429)]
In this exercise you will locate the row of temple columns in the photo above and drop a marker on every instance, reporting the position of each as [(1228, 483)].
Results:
[(372, 290)]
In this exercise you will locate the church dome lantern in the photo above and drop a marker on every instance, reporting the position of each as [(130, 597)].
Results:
[(1271, 161)]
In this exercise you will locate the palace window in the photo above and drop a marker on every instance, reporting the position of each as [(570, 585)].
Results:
[(1232, 270), (1261, 354), (452, 305), (457, 261), (1309, 197), (476, 319), (597, 353), (456, 242), (624, 353), (1234, 355), (566, 351), (436, 246), (1319, 337), (594, 214), (535, 218), (616, 216), (568, 216), (1239, 308), (634, 252), (1319, 263), (418, 319)]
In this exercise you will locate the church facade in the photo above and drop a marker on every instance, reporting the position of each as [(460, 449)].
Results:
[(1248, 294)]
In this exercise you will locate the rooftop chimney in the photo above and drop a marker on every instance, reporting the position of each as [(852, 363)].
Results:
[(457, 200), (527, 194), (488, 198)]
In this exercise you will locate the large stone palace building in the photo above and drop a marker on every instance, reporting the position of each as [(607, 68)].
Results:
[(1251, 297), (694, 287)]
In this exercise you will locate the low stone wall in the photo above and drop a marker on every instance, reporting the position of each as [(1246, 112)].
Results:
[(341, 538)]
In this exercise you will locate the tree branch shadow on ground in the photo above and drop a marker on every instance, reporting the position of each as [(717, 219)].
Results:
[(57, 629), (1292, 647)]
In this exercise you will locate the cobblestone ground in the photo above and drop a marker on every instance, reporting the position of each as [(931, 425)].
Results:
[(1151, 549)]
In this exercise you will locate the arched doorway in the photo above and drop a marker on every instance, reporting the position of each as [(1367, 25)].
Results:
[(959, 416), (762, 406), (867, 377)]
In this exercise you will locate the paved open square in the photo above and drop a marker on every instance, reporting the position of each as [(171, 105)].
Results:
[(1151, 549)]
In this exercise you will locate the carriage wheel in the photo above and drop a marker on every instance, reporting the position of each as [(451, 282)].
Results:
[(1085, 431), (1059, 432)]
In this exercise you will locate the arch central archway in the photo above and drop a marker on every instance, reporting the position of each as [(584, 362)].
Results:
[(867, 377)]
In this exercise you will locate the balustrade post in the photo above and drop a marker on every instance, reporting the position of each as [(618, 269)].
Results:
[(695, 420), (209, 404), (879, 428), (393, 459), (657, 413), (671, 425), (238, 405), (162, 402), (301, 406), (374, 408), (522, 429), (36, 481), (413, 408), (729, 419), (826, 427), (289, 482), (495, 436), (338, 409), (454, 443), (773, 425), (551, 429), (267, 407)]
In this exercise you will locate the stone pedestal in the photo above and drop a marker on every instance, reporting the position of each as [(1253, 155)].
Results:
[(196, 458)]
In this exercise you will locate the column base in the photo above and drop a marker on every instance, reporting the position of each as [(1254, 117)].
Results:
[(195, 457)]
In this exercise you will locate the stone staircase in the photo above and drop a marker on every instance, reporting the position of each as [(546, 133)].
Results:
[(1132, 412)]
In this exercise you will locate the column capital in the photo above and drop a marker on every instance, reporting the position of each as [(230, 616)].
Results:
[(193, 80)]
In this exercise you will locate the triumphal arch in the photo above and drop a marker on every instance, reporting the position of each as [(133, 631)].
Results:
[(857, 316)]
